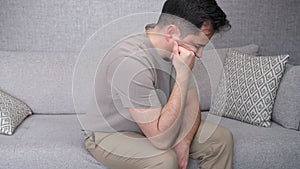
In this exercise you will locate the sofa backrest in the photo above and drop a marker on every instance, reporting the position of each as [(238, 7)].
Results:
[(47, 37), (41, 80), (50, 83), (60, 25)]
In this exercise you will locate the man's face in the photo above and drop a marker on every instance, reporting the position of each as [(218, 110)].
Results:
[(196, 43)]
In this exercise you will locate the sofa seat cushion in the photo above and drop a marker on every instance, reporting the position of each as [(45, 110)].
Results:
[(260, 147), (56, 141), (49, 141), (46, 141)]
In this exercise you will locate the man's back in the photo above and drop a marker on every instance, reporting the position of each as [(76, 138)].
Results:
[(130, 68)]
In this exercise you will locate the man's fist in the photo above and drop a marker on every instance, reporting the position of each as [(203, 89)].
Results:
[(182, 59)]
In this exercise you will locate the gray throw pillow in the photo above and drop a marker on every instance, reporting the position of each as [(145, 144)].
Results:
[(208, 74), (248, 87), (12, 113), (287, 103)]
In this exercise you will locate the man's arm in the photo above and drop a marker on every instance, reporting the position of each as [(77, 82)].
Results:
[(162, 126), (192, 114), (191, 122)]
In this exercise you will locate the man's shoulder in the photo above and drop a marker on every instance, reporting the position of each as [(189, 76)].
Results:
[(132, 44), (133, 48)]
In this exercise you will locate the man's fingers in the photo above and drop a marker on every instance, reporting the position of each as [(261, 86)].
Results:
[(184, 164), (175, 48)]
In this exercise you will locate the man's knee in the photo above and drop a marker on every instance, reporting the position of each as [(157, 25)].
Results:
[(225, 137)]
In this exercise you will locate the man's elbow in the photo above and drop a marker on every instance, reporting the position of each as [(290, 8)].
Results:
[(163, 142), (162, 146)]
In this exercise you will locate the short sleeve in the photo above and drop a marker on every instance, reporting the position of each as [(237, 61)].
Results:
[(133, 82)]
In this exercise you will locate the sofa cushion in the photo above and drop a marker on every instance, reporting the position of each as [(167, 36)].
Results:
[(208, 70), (12, 113), (248, 87), (46, 141), (49, 141), (287, 104), (56, 141), (259, 147), (42, 80)]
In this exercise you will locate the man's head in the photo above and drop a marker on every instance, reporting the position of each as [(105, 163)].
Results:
[(193, 22), (195, 12)]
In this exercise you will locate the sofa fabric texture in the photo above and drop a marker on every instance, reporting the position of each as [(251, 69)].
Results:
[(248, 87), (46, 141), (47, 77), (260, 147), (43, 80), (64, 26), (287, 108), (40, 144)]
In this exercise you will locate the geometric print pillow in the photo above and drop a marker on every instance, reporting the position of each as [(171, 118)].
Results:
[(248, 87), (12, 113)]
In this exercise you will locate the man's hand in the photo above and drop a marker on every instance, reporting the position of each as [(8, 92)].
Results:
[(182, 59), (182, 150), (191, 116)]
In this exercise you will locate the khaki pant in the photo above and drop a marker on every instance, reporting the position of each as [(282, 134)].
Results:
[(212, 147)]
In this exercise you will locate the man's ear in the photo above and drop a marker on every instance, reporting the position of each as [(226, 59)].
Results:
[(173, 31)]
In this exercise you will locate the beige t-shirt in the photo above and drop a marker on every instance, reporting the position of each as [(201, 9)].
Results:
[(131, 75)]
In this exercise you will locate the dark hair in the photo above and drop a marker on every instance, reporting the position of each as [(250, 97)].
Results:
[(195, 12)]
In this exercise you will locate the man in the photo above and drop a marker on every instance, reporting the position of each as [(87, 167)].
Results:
[(147, 98)]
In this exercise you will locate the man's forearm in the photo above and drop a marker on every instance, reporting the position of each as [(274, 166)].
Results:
[(190, 136), (173, 109), (191, 117), (190, 125), (170, 120), (163, 125)]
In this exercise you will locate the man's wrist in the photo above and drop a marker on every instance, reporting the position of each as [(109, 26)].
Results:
[(183, 76), (187, 140)]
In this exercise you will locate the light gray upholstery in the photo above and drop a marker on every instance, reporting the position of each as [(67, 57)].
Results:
[(287, 108), (39, 144), (61, 25), (65, 25), (259, 147), (42, 80), (56, 141), (272, 25), (46, 141)]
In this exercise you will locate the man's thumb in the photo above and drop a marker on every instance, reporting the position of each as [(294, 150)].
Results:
[(175, 50)]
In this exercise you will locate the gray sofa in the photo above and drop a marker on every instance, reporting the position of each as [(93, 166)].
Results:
[(40, 44)]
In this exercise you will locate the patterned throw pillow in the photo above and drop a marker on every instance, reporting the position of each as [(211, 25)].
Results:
[(12, 113), (248, 87)]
